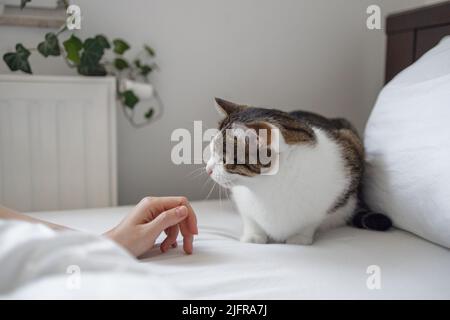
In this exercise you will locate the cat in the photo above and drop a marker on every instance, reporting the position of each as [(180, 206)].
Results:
[(317, 186)]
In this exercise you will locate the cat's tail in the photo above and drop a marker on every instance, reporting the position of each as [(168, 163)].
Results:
[(364, 218)]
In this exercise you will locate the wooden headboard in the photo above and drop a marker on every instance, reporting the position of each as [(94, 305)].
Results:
[(412, 33)]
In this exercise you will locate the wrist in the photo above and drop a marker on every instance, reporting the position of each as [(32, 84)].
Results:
[(111, 234), (118, 236)]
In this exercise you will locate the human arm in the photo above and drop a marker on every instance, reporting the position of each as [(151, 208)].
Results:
[(9, 214), (138, 231)]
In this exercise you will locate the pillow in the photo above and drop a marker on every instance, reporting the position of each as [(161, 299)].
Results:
[(407, 141)]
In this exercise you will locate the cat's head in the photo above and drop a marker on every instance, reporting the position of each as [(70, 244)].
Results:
[(252, 141)]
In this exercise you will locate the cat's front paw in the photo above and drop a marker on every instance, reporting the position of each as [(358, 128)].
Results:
[(254, 238)]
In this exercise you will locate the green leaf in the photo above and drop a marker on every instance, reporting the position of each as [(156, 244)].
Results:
[(149, 113), (18, 60), (149, 50), (129, 98), (49, 47), (137, 63), (145, 69), (97, 70), (103, 41), (120, 63), (23, 3), (120, 46), (73, 46), (93, 51)]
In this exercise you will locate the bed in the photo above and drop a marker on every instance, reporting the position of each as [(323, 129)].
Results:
[(345, 263), (412, 33), (340, 265)]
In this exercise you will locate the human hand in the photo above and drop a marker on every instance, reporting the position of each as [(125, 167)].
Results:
[(151, 216)]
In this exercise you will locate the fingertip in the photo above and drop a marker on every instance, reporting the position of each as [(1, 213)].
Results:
[(192, 227), (184, 200), (181, 211), (188, 245)]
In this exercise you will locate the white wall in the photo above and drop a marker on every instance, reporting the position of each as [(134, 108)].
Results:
[(311, 54)]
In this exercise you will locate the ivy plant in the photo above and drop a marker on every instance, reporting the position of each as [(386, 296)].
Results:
[(88, 57)]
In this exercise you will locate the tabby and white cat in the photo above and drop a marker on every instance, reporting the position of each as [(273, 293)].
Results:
[(316, 187)]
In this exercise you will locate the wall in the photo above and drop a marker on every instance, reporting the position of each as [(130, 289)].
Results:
[(313, 54)]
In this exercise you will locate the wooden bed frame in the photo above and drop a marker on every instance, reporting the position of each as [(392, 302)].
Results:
[(412, 33)]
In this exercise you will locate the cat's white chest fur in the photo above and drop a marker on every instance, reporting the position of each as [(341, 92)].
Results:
[(294, 203)]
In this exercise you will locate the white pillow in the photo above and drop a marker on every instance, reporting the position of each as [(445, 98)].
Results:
[(407, 141)]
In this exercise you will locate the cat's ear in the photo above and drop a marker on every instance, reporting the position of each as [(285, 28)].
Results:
[(226, 108)]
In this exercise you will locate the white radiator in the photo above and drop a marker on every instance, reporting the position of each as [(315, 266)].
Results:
[(57, 142)]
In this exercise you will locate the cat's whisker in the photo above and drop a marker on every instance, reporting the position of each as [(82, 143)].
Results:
[(212, 189), (198, 175), (227, 193), (206, 183), (194, 171)]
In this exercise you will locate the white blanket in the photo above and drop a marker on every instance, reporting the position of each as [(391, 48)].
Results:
[(37, 263)]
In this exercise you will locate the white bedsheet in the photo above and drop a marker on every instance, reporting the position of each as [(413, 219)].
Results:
[(34, 262)]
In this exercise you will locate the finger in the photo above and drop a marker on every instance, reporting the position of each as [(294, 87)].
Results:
[(191, 219), (171, 238), (168, 219), (150, 207), (188, 237), (165, 203), (160, 204), (174, 244)]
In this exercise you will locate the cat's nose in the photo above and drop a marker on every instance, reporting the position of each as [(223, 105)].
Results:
[(209, 168)]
